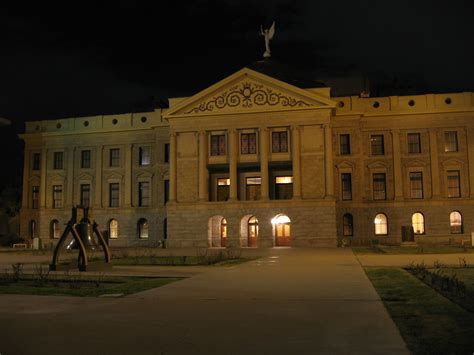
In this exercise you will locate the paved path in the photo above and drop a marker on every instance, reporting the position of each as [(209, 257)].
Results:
[(292, 301)]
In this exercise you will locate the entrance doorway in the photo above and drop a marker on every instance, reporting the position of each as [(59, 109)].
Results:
[(282, 230)]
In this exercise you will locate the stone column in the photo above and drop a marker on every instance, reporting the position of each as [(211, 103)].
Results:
[(44, 167), (434, 164), (98, 176), (233, 156), (264, 163), (173, 168), (470, 151), (203, 180), (26, 183), (128, 175), (397, 165), (328, 159), (70, 156), (296, 162)]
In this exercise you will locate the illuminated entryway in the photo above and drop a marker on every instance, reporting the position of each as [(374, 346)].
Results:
[(249, 231), (281, 230), (217, 230)]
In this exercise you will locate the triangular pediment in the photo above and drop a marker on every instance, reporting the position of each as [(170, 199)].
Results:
[(248, 91)]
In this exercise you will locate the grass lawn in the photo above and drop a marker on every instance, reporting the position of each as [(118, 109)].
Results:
[(396, 250), (428, 322), (78, 285)]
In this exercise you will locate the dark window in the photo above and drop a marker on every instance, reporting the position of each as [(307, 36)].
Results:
[(144, 194), (347, 225), (218, 145), (114, 157), (142, 228), (416, 185), (58, 160), (32, 229), (346, 184), (414, 143), (223, 189), (344, 144), (451, 141), (454, 183), (252, 188), (35, 197), (114, 196), (36, 161), (166, 190), (283, 187), (57, 196), (167, 153), (280, 142), (248, 143), (85, 195), (86, 159), (379, 187), (376, 144), (144, 156)]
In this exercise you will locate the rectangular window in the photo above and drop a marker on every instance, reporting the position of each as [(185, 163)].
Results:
[(166, 191), (252, 188), (167, 153), (454, 183), (57, 196), (344, 144), (114, 160), (36, 161), (346, 184), (35, 197), (376, 144), (414, 143), (58, 160), (114, 194), (85, 159), (144, 194), (218, 146), (416, 185), (283, 187), (248, 143), (144, 156), (379, 187), (451, 141), (280, 142), (85, 195), (223, 189)]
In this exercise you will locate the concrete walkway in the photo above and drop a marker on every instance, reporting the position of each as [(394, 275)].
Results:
[(292, 301)]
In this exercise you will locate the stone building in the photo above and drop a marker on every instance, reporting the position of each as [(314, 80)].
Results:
[(254, 161)]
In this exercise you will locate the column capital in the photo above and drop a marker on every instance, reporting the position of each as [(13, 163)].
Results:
[(295, 128)]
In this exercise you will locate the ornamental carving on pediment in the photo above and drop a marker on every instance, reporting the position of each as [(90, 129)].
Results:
[(247, 95)]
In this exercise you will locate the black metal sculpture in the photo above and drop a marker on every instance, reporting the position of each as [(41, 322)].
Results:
[(82, 233)]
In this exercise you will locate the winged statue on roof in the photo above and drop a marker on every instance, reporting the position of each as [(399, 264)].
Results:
[(268, 34)]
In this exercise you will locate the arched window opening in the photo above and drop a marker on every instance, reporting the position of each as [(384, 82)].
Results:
[(223, 232), (55, 230), (113, 229), (418, 223), (281, 230), (380, 223), (455, 221), (347, 225), (252, 231), (142, 228)]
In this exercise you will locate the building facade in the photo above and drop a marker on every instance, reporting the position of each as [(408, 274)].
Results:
[(253, 161)]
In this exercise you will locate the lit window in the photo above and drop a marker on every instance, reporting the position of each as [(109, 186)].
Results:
[(113, 229), (347, 225), (223, 189), (379, 186), (85, 159), (414, 143), (377, 145), (283, 187), (144, 156), (455, 222), (142, 228), (346, 186), (280, 142), (380, 223), (248, 143), (252, 231), (57, 196), (58, 160), (252, 188), (416, 185), (223, 232), (344, 144), (454, 184), (418, 223), (85, 195), (451, 141), (218, 146)]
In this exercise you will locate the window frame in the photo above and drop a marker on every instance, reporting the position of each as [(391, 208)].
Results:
[(384, 223), (345, 147), (36, 166), (344, 183), (218, 145), (58, 160), (85, 191), (86, 161), (144, 194), (422, 223), (144, 155), (374, 145), (451, 142), (414, 147), (277, 145), (35, 196), (248, 150), (57, 196), (412, 181), (114, 157), (449, 175), (375, 191), (456, 228), (347, 217), (112, 197)]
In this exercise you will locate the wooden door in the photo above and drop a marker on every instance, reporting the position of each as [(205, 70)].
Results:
[(283, 234)]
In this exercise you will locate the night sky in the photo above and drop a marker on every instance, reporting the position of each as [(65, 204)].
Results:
[(82, 58)]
